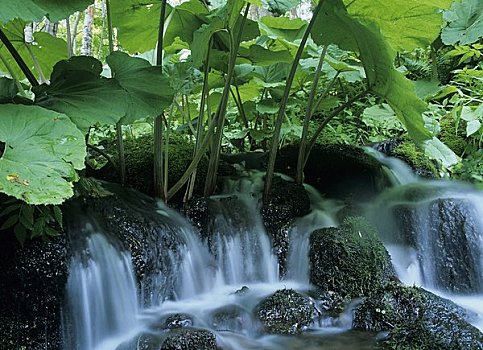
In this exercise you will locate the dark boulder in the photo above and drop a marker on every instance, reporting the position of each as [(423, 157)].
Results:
[(349, 260), (285, 312), (417, 319), (32, 288), (339, 171), (232, 318)]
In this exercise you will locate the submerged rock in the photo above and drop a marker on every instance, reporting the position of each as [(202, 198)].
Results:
[(349, 260), (232, 318), (287, 201), (417, 319), (285, 312), (189, 339), (32, 288)]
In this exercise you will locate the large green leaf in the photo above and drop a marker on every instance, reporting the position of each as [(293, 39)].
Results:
[(335, 26), (261, 56), (137, 23), (405, 24), (184, 21), (46, 49), (8, 90), (283, 27), (32, 10), (465, 23), (77, 90), (42, 150), (148, 90)]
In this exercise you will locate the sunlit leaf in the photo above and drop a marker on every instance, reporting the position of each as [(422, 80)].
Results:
[(43, 149), (148, 90), (465, 23), (77, 90), (405, 24), (32, 10)]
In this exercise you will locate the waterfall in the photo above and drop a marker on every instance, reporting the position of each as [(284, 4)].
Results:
[(101, 293)]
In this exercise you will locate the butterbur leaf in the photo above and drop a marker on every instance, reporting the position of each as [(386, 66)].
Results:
[(147, 89), (32, 10), (77, 90), (465, 23), (334, 25), (43, 150)]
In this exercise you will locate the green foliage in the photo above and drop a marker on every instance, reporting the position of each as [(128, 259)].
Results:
[(42, 151), (415, 158), (34, 10), (30, 221), (464, 23), (40, 56), (420, 20)]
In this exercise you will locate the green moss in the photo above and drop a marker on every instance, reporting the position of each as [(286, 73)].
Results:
[(415, 158), (349, 260), (452, 136)]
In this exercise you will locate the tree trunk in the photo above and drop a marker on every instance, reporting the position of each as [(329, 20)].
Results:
[(51, 27), (29, 33), (86, 48)]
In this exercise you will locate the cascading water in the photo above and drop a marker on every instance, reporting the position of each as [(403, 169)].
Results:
[(102, 294), (208, 275), (434, 233)]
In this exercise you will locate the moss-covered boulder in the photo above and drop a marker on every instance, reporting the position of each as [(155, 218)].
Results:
[(139, 156), (417, 319), (416, 159), (285, 312), (349, 260)]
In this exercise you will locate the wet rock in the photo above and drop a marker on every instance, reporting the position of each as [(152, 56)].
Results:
[(287, 201), (32, 286), (178, 321), (285, 312), (339, 171), (417, 319), (133, 218), (445, 232), (189, 339), (349, 260), (231, 318)]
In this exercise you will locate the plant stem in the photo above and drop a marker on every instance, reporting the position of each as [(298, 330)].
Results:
[(109, 27), (13, 75), (69, 37), (283, 105), (102, 153), (36, 63), (326, 121), (211, 176), (20, 62), (159, 181), (324, 94), (308, 115), (194, 163)]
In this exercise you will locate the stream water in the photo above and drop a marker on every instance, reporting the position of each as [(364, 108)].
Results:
[(110, 311)]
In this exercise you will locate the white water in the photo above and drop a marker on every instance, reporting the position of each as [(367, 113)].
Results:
[(420, 268), (104, 298), (102, 294)]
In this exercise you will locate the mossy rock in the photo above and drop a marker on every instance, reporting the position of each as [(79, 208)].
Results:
[(452, 136), (139, 156), (417, 320), (285, 312), (349, 260), (415, 158)]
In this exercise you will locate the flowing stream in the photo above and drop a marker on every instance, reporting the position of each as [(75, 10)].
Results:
[(108, 311)]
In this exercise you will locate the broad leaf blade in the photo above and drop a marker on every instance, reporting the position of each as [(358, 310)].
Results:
[(43, 149), (32, 10), (407, 24), (148, 90), (335, 26), (77, 90), (465, 23)]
